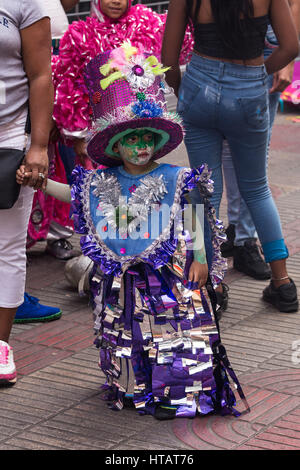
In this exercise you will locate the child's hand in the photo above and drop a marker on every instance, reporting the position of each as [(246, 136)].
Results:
[(21, 176), (198, 273)]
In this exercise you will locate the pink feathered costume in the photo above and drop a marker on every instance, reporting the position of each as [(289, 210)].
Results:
[(83, 41)]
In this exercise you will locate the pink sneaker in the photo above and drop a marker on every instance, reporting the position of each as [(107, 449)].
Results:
[(8, 373)]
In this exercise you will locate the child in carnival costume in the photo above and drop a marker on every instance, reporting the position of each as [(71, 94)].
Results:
[(111, 23), (153, 306)]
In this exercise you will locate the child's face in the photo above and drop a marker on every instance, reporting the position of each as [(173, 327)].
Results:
[(137, 147), (114, 8)]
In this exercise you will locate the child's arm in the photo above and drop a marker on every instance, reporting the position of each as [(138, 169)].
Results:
[(199, 270), (58, 190)]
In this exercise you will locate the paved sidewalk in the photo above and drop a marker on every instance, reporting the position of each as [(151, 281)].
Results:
[(56, 402)]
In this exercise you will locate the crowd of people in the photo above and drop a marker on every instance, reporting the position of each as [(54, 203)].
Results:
[(99, 125)]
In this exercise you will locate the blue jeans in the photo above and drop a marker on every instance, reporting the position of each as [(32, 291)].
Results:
[(237, 210), (220, 100)]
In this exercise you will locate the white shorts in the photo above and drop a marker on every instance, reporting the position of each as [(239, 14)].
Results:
[(13, 228)]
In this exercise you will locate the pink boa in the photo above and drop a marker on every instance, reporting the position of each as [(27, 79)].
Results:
[(84, 40)]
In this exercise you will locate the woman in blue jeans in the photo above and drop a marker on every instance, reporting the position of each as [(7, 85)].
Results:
[(224, 95), (241, 231)]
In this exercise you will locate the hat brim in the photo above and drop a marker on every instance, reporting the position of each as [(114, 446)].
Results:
[(100, 146)]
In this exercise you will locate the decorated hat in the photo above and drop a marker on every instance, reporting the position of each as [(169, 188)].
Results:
[(127, 92)]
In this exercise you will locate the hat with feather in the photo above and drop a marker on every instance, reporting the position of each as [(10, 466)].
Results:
[(127, 92)]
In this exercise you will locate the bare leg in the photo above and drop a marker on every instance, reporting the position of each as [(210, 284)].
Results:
[(7, 316), (278, 272)]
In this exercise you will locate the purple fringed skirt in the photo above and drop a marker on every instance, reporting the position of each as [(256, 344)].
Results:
[(160, 345), (158, 335)]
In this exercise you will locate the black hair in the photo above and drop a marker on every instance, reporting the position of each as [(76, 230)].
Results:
[(227, 17)]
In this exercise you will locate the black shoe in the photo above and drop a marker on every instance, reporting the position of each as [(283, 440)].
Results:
[(284, 297), (164, 412), (222, 301), (248, 260), (227, 247), (128, 402), (61, 249)]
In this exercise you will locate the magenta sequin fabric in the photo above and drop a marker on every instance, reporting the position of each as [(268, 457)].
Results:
[(119, 94)]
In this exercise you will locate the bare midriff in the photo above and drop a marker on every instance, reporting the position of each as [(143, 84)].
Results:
[(254, 62)]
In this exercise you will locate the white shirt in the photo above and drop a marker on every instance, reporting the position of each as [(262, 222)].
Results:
[(15, 15), (59, 20)]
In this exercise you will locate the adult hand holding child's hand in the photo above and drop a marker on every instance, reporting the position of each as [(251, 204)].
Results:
[(36, 168)]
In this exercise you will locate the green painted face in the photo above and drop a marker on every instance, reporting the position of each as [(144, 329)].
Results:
[(137, 147)]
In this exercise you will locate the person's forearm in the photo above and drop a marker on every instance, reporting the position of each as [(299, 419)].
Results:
[(279, 59), (284, 26), (60, 191), (176, 24), (69, 4), (295, 8), (192, 224), (173, 78), (200, 256), (41, 107)]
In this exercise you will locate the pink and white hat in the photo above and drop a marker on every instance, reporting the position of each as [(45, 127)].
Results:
[(127, 91)]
